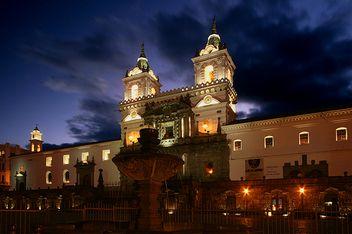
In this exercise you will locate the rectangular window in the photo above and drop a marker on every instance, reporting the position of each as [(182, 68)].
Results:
[(237, 145), (304, 138), (341, 134), (48, 161), (85, 157), (269, 142), (66, 159), (105, 154)]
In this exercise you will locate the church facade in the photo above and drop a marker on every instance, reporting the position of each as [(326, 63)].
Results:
[(198, 123)]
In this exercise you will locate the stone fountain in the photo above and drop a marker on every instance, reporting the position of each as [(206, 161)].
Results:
[(149, 169)]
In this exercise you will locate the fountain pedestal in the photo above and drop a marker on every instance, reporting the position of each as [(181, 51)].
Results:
[(148, 194), (149, 168)]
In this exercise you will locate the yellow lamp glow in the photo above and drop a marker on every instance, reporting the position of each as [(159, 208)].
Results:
[(301, 190), (246, 191)]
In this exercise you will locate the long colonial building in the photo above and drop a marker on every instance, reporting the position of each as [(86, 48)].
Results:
[(199, 124)]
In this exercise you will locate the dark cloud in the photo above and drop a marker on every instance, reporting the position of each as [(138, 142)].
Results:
[(76, 84), (97, 121), (178, 38), (98, 48)]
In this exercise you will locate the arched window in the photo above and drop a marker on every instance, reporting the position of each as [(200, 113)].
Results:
[(237, 145), (209, 75), (341, 134), (134, 91), (268, 141), (48, 177), (66, 176), (304, 138)]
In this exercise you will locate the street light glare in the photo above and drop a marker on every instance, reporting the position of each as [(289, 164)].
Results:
[(246, 191), (301, 190)]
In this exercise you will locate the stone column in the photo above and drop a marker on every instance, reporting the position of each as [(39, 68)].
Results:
[(186, 126), (149, 218)]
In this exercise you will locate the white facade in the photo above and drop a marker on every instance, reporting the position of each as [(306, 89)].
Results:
[(323, 144), (59, 161)]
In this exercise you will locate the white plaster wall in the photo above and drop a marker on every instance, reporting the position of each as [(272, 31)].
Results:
[(34, 165), (323, 145)]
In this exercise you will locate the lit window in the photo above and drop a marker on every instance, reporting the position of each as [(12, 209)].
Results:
[(268, 141), (209, 168), (237, 145), (132, 137), (38, 148), (208, 126), (105, 154), (152, 91), (209, 73), (66, 159), (66, 176), (32, 147), (134, 91), (341, 134), (304, 138), (48, 177), (48, 161), (85, 157)]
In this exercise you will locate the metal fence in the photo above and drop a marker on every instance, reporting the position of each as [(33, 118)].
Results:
[(29, 221), (254, 221), (234, 221)]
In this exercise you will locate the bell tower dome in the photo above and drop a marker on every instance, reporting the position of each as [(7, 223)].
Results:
[(213, 61), (36, 140), (140, 81)]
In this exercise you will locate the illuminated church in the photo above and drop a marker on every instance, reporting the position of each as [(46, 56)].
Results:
[(198, 123)]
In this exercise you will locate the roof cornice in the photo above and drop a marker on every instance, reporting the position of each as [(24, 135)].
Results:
[(289, 119)]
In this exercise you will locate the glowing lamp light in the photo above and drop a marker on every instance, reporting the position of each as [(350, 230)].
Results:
[(301, 190), (170, 212), (209, 168), (246, 191), (205, 126), (130, 138)]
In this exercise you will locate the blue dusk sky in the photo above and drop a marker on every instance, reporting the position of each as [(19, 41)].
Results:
[(61, 62)]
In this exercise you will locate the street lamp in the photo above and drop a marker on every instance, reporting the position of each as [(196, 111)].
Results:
[(246, 193), (301, 193)]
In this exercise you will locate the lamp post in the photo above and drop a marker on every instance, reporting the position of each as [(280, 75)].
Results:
[(301, 193), (245, 192)]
